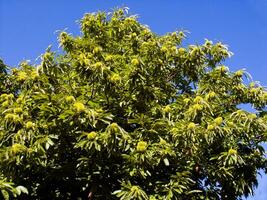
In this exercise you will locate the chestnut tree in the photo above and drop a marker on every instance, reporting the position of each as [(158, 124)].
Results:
[(125, 113)]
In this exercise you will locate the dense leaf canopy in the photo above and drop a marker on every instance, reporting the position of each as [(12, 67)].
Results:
[(124, 113)]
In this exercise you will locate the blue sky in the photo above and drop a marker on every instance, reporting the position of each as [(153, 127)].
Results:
[(27, 27)]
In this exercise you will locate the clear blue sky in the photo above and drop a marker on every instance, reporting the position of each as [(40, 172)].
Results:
[(27, 27)]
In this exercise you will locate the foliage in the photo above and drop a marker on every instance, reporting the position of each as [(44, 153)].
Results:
[(125, 113)]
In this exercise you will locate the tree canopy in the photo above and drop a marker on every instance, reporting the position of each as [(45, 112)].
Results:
[(125, 113)]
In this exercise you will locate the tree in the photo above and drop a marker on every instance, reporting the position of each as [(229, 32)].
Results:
[(125, 113)]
